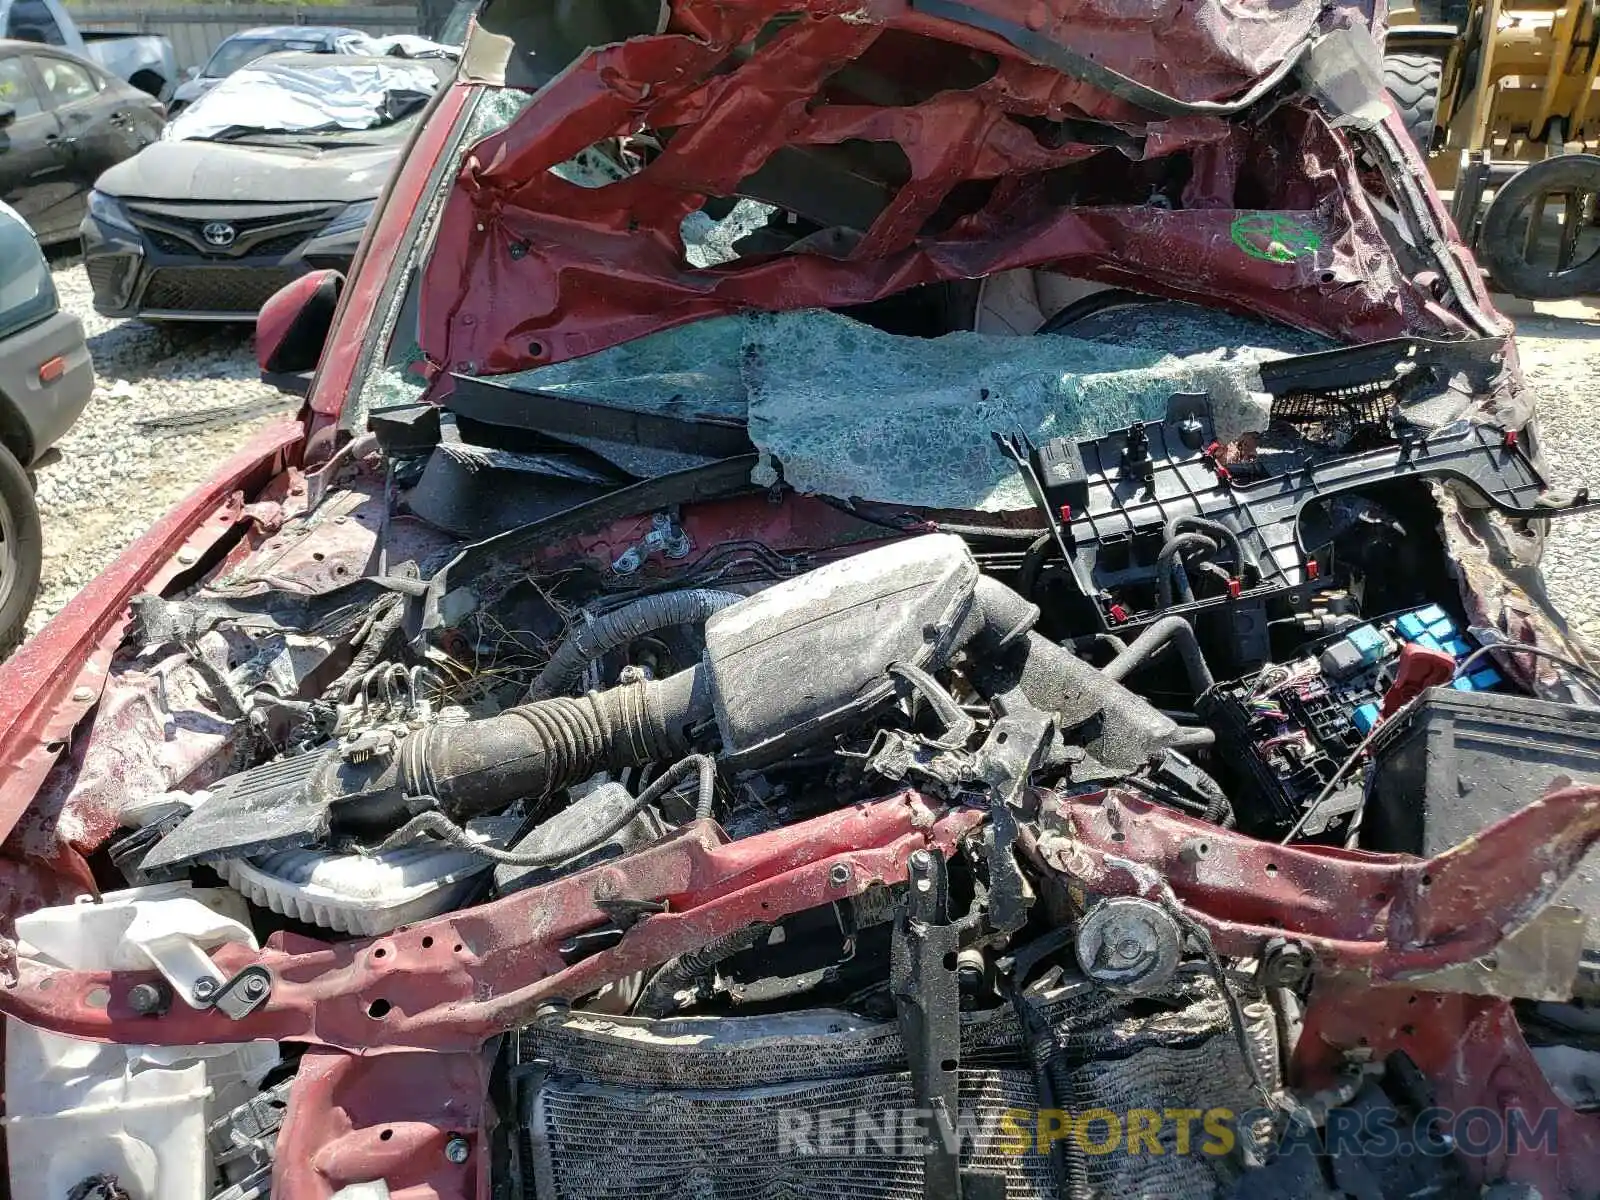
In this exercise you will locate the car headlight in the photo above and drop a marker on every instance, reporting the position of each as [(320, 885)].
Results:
[(108, 211), (352, 220)]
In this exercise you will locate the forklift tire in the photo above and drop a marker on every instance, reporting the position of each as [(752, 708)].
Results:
[(1500, 240), (1413, 81)]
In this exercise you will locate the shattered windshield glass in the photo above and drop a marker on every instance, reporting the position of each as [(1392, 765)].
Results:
[(840, 408)]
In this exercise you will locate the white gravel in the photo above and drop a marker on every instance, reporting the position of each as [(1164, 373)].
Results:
[(1560, 351), (115, 480)]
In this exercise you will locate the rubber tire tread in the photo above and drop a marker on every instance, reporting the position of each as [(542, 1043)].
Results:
[(24, 556), (1506, 266), (1413, 81)]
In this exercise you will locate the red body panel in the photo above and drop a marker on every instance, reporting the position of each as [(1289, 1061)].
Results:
[(530, 268)]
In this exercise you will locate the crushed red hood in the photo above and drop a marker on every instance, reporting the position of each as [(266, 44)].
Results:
[(1079, 137)]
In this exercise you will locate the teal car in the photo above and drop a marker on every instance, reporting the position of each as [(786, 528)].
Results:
[(45, 382)]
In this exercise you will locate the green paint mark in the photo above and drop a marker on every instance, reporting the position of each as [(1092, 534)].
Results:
[(1274, 238)]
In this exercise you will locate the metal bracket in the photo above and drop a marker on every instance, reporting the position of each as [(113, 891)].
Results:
[(239, 996), (1005, 763), (627, 913), (927, 997)]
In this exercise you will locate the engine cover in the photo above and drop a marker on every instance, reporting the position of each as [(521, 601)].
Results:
[(800, 660)]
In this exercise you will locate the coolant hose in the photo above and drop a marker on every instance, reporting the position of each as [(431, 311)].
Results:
[(586, 643), (1032, 563), (1167, 560), (1216, 529), (526, 752), (1121, 730), (1143, 648)]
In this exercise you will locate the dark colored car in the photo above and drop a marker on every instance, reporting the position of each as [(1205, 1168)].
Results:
[(63, 122), (874, 601), (246, 47), (45, 381), (253, 185)]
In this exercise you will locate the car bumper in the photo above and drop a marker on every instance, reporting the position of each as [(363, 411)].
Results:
[(46, 409), (132, 277)]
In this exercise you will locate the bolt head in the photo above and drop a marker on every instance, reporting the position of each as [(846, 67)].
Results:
[(82, 695), (1286, 963), (255, 987), (204, 989), (148, 999), (457, 1149), (187, 557), (839, 875), (1194, 850)]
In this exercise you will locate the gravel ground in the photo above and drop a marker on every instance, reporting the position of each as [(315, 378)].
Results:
[(1561, 355), (115, 479)]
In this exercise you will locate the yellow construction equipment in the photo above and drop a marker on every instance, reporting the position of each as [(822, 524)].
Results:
[(1500, 97)]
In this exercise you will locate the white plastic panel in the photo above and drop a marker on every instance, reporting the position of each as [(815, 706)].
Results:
[(138, 1114)]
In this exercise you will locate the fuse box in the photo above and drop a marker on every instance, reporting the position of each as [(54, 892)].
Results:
[(1284, 732)]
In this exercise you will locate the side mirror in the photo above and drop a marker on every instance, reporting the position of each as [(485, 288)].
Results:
[(8, 116), (292, 328), (190, 73)]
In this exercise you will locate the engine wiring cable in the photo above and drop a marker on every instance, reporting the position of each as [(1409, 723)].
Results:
[(434, 823)]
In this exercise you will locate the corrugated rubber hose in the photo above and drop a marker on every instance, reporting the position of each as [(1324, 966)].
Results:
[(588, 642)]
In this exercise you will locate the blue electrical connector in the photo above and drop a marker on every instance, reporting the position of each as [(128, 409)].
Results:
[(1433, 628)]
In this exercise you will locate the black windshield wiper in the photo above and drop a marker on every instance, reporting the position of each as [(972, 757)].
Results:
[(239, 133)]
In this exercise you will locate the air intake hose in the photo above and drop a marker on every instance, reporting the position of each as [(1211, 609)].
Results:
[(538, 748), (525, 752)]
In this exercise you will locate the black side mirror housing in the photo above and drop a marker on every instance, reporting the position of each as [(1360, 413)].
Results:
[(293, 327)]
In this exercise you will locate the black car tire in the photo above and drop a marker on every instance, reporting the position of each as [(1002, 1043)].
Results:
[(1413, 81), (148, 82), (21, 551)]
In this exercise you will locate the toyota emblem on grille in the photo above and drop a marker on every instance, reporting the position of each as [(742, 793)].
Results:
[(219, 233)]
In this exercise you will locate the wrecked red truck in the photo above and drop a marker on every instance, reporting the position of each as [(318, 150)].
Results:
[(916, 598)]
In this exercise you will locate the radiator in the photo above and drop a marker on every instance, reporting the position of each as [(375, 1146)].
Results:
[(711, 1108)]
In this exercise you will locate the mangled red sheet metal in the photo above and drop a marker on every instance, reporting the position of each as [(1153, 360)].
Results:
[(592, 268)]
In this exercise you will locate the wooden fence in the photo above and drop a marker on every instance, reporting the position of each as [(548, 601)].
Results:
[(197, 29)]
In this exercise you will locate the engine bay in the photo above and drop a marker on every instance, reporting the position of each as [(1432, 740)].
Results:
[(803, 799)]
